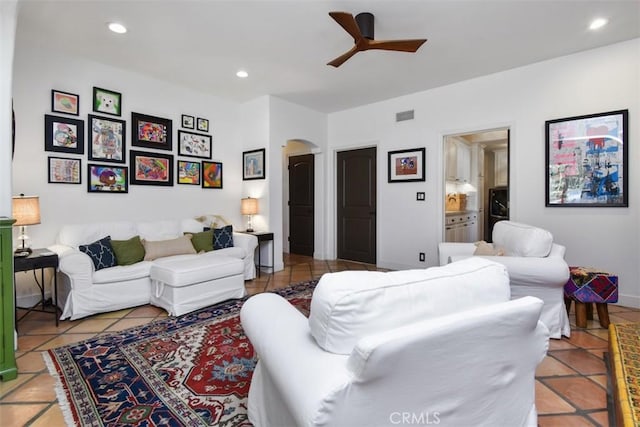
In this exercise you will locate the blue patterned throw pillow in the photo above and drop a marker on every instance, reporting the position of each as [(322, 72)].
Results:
[(100, 252), (223, 237)]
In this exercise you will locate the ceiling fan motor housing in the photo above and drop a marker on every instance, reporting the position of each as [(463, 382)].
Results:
[(365, 23)]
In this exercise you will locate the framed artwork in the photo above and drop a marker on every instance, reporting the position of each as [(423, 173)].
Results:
[(107, 101), (406, 165), (203, 125), (586, 160), (211, 174), (107, 179), (253, 164), (189, 172), (188, 122), (151, 168), (64, 171), (192, 144), (63, 102), (107, 139), (63, 135), (151, 132)]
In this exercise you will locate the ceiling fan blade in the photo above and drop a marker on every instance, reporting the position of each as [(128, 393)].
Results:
[(398, 45), (348, 22), (343, 58)]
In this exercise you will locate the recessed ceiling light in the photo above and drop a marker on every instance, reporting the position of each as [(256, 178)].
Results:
[(598, 23), (117, 28), (242, 74)]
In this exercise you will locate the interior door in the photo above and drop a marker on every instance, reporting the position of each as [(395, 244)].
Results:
[(301, 203), (356, 216)]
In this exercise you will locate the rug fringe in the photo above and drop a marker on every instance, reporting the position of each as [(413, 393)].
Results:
[(63, 401)]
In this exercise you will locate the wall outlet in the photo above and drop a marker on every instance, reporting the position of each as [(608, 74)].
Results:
[(421, 257), (420, 196)]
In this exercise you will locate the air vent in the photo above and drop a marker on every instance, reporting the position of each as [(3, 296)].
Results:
[(404, 115)]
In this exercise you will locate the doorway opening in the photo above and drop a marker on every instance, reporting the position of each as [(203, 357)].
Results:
[(476, 172)]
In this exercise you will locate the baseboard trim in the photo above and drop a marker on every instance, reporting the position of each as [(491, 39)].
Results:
[(628, 300)]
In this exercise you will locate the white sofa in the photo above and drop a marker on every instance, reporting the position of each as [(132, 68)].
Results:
[(83, 291), (536, 267), (444, 345)]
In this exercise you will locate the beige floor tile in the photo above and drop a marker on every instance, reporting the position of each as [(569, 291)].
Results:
[(552, 367), (127, 323), (581, 392), (582, 361), (601, 380), (601, 418), (564, 421), (548, 402), (145, 311), (113, 314), (7, 387), (91, 325), (31, 362), (39, 389), (19, 415), (65, 340), (30, 342), (51, 418)]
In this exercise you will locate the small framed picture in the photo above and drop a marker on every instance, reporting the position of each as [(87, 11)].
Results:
[(64, 171), (151, 168), (203, 125), (64, 135), (151, 132), (188, 122), (211, 174), (253, 164), (107, 101), (107, 139), (189, 172), (107, 179), (192, 144), (63, 102), (406, 165)]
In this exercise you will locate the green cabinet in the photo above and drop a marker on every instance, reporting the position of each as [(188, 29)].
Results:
[(8, 370)]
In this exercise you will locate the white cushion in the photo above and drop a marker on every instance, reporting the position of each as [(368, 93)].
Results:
[(188, 271), (81, 234), (521, 239), (349, 305), (160, 230), (122, 273)]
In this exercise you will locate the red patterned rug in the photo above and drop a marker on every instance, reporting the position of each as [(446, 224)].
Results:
[(191, 370)]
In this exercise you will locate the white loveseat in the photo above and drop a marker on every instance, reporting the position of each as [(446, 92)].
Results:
[(536, 267), (83, 291), (444, 345)]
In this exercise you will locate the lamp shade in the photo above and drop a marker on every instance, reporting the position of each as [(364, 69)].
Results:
[(26, 210), (249, 206)]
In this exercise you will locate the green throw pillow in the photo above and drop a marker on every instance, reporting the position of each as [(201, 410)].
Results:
[(202, 241), (128, 251)]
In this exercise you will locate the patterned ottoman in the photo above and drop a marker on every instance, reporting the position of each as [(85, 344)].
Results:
[(587, 285)]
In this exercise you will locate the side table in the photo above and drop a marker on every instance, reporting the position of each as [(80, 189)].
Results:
[(40, 259), (588, 285), (263, 237)]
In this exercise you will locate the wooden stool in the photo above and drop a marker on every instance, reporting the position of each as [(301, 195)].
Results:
[(587, 285)]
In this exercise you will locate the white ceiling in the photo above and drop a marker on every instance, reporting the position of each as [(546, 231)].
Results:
[(285, 45)]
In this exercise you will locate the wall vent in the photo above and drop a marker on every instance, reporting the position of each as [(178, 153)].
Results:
[(404, 115)]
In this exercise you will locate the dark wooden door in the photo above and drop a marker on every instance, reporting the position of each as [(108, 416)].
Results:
[(357, 205), (301, 198)]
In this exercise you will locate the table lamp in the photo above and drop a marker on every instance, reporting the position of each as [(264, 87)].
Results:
[(26, 211), (249, 206)]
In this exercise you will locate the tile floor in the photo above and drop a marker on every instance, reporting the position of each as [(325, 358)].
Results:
[(570, 382)]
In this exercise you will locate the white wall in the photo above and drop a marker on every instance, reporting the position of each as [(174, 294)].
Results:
[(522, 99), (8, 16)]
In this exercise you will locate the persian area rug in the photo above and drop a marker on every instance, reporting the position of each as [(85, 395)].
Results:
[(624, 353), (191, 370)]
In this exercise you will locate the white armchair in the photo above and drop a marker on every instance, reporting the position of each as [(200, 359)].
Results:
[(442, 346), (535, 264)]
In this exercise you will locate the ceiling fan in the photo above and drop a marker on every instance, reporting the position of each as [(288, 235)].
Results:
[(361, 29)]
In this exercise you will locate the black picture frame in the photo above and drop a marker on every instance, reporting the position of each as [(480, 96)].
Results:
[(107, 179), (253, 164), (586, 160), (406, 165), (203, 124), (151, 132), (188, 122), (148, 168), (107, 101), (191, 144), (189, 172), (63, 134), (65, 102), (108, 140), (212, 174), (64, 170)]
